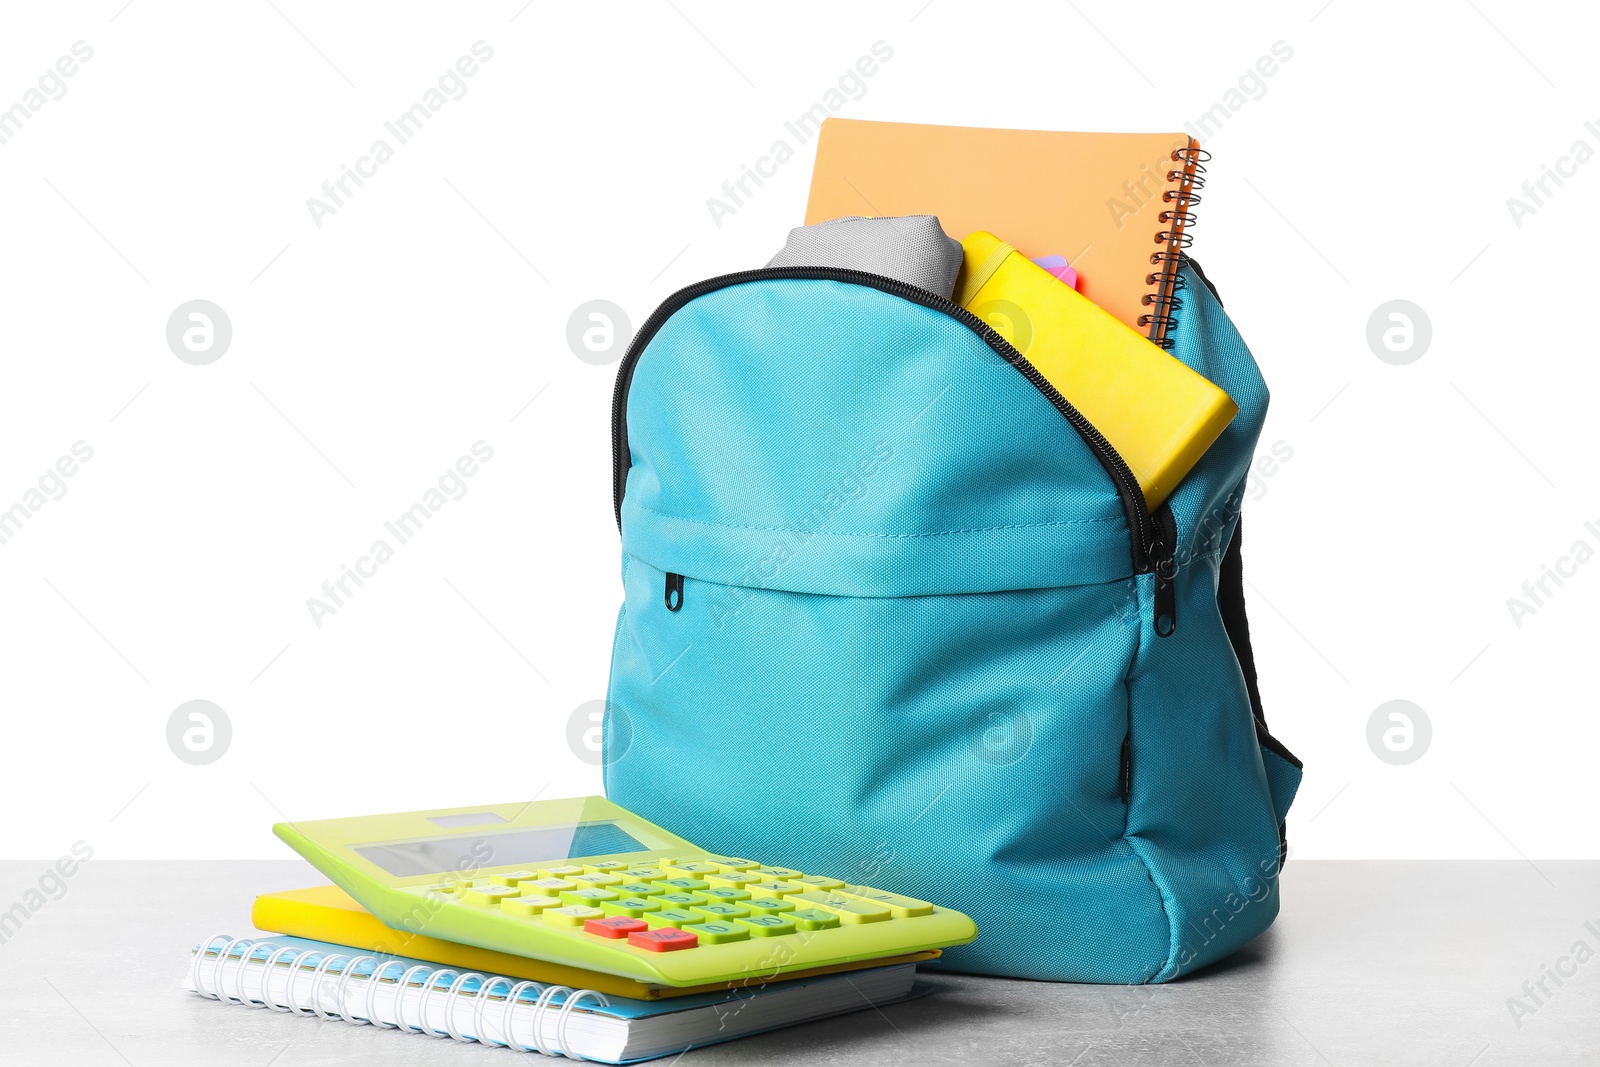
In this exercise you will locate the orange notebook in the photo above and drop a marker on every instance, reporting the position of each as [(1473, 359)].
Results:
[(1117, 205)]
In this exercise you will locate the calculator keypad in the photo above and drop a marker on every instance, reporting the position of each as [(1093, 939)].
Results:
[(684, 902)]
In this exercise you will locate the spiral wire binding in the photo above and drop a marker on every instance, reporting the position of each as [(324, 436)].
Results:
[(1174, 238), (347, 968), (266, 972)]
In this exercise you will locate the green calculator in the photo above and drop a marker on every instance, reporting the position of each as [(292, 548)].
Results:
[(586, 883)]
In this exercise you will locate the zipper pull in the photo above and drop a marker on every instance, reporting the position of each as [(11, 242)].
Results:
[(674, 597), (1163, 561)]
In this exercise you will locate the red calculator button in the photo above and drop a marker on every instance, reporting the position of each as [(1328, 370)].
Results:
[(615, 927), (662, 939)]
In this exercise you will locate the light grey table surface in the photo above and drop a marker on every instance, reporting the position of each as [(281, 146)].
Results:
[(1369, 963)]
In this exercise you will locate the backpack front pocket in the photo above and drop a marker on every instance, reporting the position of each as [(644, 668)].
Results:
[(964, 748)]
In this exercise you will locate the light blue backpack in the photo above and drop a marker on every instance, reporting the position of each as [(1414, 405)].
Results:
[(894, 611)]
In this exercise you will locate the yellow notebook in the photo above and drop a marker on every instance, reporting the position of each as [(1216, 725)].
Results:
[(1156, 412), (328, 913)]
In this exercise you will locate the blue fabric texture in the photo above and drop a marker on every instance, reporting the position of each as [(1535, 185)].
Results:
[(911, 645)]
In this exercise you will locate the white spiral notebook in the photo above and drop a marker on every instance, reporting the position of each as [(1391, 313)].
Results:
[(295, 976)]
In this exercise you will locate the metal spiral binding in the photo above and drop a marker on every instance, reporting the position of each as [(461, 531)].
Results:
[(421, 972), (1173, 238), (340, 993), (209, 984), (484, 992), (266, 972)]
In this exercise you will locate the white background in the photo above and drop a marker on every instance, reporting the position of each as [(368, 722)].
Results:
[(425, 314)]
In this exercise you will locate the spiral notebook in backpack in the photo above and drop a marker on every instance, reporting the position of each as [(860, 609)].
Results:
[(1116, 205), (295, 976)]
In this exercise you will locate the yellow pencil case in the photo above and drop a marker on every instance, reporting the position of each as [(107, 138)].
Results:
[(1158, 414)]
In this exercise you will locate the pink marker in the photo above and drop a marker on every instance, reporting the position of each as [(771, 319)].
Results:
[(1057, 266)]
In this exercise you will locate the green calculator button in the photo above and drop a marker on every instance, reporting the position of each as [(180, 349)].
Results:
[(722, 911), (642, 874), (768, 925), (777, 889), (684, 885), (562, 871), (812, 919), (768, 905), (512, 877), (632, 907), (606, 867), (639, 889), (732, 863), (571, 917), (724, 895), (489, 894), (817, 882), (718, 933), (680, 900), (673, 917), (591, 896)]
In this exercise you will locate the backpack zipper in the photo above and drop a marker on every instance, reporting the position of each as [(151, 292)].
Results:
[(674, 593), (1163, 564), (1151, 544)]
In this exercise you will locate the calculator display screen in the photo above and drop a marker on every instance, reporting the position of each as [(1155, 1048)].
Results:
[(467, 852)]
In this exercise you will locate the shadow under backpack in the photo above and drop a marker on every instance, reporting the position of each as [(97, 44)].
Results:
[(896, 613)]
